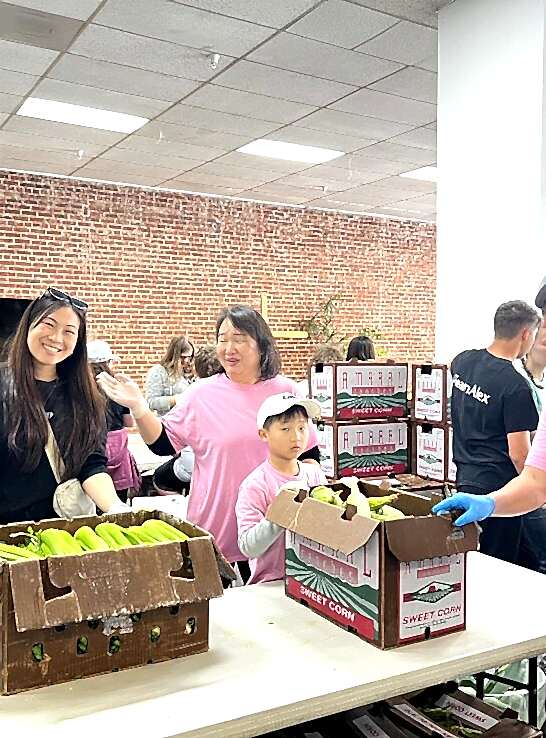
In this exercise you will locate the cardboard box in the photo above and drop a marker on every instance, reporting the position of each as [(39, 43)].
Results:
[(431, 387), (363, 449), (360, 390), (432, 452), (390, 582), (127, 608), (370, 723)]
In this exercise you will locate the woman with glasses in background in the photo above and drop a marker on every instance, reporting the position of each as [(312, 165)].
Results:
[(167, 380), (46, 383)]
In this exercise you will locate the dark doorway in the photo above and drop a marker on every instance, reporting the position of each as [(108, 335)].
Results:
[(11, 311)]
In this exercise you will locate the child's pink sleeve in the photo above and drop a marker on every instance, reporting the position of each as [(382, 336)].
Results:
[(537, 454)]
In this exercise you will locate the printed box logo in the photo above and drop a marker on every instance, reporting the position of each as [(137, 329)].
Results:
[(433, 592)]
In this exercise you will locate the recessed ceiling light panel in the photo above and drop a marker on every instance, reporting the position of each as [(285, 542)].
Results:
[(80, 115), (289, 151), (426, 174)]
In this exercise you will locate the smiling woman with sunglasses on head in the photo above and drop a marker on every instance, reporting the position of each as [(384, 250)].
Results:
[(46, 378)]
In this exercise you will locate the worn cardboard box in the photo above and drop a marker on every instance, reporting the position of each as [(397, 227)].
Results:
[(390, 582), (363, 449), (432, 452), (370, 722), (431, 388), (68, 617), (360, 390)]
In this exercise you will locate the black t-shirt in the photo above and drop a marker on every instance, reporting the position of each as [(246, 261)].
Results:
[(29, 495), (490, 399), (114, 415)]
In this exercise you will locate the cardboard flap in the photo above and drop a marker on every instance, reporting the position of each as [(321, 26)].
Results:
[(321, 522), (110, 583), (428, 537)]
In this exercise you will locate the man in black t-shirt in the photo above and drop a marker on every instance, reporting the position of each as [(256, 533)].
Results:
[(493, 415)]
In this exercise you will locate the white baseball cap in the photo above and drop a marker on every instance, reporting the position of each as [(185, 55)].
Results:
[(279, 404), (100, 351)]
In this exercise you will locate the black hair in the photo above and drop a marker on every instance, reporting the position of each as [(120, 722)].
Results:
[(512, 317), (361, 348), (249, 321), (292, 412)]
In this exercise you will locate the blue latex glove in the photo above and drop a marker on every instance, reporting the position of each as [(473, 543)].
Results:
[(476, 507)]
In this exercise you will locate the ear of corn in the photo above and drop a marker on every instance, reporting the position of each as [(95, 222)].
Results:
[(60, 542), (112, 534), (89, 540), (138, 536), (163, 532)]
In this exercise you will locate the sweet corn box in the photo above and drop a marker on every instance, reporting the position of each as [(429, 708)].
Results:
[(392, 582), (363, 449), (68, 617), (360, 390), (431, 384), (432, 452)]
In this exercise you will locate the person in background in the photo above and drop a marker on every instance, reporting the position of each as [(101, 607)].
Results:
[(206, 362), (46, 383), (283, 424), (532, 368), (493, 416), (361, 348), (174, 476), (217, 418), (324, 354), (166, 381), (120, 462)]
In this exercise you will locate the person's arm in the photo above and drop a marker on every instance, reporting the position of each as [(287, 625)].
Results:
[(155, 390), (255, 541), (123, 390), (100, 488), (519, 445), (523, 494)]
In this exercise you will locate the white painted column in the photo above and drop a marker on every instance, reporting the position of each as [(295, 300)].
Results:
[(491, 202)]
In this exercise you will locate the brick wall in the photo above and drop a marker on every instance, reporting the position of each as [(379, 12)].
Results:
[(153, 264)]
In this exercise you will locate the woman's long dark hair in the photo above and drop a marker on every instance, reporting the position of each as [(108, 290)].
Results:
[(26, 425), (173, 361), (361, 348), (249, 321)]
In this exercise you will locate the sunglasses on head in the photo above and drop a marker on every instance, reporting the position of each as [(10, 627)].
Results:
[(64, 297)]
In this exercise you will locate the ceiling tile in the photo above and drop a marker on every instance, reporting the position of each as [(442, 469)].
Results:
[(149, 159), (131, 81), (272, 197), (280, 83), (24, 58), (166, 147), (406, 43), (418, 84), (325, 139), (432, 126), (27, 165), (36, 28), (248, 104), (362, 161), (80, 9), (342, 23), (77, 134), (334, 203), (209, 180), (322, 185), (38, 153), (48, 143), (307, 56), (421, 11), (350, 176), (399, 188), (291, 194), (93, 97), (275, 14), (157, 130), (8, 103), (262, 163), (212, 120), (125, 172), (373, 129), (430, 63), (183, 25), (3, 117), (388, 107), (108, 44), (398, 153), (421, 138), (16, 83), (251, 177)]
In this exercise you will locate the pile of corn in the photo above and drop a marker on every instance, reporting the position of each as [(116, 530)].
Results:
[(41, 544), (376, 508)]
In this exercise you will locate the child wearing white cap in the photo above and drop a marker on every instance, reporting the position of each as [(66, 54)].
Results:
[(283, 423)]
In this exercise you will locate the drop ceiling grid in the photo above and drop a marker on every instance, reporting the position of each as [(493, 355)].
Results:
[(216, 112)]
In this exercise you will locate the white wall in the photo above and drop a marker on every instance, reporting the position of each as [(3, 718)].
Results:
[(491, 245)]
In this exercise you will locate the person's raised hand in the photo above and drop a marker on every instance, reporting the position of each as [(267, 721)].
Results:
[(474, 507), (123, 390)]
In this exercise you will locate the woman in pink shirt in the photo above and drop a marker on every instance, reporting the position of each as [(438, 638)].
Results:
[(523, 494), (217, 418)]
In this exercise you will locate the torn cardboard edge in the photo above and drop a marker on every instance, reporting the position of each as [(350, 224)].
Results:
[(69, 589), (422, 536)]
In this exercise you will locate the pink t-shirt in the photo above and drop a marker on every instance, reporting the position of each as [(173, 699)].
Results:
[(217, 418), (257, 492), (537, 454)]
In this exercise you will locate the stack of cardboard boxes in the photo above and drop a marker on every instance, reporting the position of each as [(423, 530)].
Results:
[(364, 430), (432, 434)]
